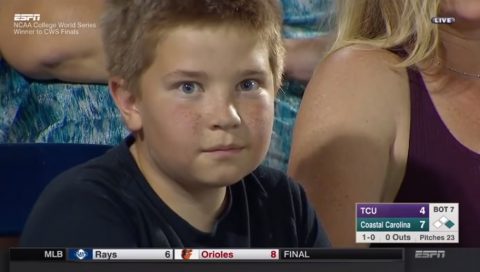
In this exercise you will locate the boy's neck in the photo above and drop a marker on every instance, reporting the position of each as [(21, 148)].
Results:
[(200, 208)]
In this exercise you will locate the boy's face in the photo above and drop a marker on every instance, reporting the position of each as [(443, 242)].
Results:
[(206, 106)]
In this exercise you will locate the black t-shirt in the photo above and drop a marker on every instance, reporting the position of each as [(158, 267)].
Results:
[(107, 202)]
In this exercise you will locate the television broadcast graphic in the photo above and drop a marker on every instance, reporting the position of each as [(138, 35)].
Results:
[(231, 259), (407, 223), (239, 135), (306, 259)]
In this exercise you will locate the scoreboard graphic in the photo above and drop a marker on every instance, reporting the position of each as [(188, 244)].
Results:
[(407, 223), (96, 255)]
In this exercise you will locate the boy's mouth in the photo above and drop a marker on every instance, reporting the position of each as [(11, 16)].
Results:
[(220, 148)]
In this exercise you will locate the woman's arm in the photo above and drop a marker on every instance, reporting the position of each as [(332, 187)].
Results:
[(347, 144)]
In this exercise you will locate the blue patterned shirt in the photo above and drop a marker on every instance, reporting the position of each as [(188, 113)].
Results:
[(302, 19)]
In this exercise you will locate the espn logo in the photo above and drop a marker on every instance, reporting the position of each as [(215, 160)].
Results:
[(443, 20), (22, 17), (429, 254)]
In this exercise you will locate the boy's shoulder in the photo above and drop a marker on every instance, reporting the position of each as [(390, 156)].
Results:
[(92, 195), (109, 172), (277, 200), (272, 183)]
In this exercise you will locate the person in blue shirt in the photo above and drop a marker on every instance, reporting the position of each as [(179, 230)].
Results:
[(307, 34)]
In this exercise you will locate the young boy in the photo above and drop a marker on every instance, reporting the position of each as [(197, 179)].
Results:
[(195, 82)]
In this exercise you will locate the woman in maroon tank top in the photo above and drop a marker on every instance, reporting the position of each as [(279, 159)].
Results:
[(392, 114)]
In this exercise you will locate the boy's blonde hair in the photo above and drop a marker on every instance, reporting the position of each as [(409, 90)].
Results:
[(132, 29), (390, 24)]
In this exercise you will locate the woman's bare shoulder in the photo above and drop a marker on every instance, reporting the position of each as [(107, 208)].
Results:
[(355, 90), (359, 73), (363, 60)]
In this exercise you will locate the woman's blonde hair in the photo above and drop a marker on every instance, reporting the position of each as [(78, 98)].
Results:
[(389, 24)]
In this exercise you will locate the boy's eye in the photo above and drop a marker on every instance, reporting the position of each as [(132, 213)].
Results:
[(189, 87), (249, 85)]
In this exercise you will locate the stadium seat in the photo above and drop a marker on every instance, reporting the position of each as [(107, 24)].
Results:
[(25, 169)]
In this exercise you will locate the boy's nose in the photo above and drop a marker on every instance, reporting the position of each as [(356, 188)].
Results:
[(224, 115)]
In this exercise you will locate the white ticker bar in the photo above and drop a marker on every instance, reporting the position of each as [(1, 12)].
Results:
[(226, 254), (132, 254)]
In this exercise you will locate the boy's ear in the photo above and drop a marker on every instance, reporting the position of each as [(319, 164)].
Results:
[(126, 102)]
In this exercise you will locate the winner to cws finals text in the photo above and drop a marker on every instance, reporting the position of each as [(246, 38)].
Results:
[(31, 24)]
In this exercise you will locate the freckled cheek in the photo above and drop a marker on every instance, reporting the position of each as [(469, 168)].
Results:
[(186, 119), (180, 123), (259, 120)]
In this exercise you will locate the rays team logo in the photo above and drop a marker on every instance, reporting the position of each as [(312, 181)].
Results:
[(26, 17), (79, 254)]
